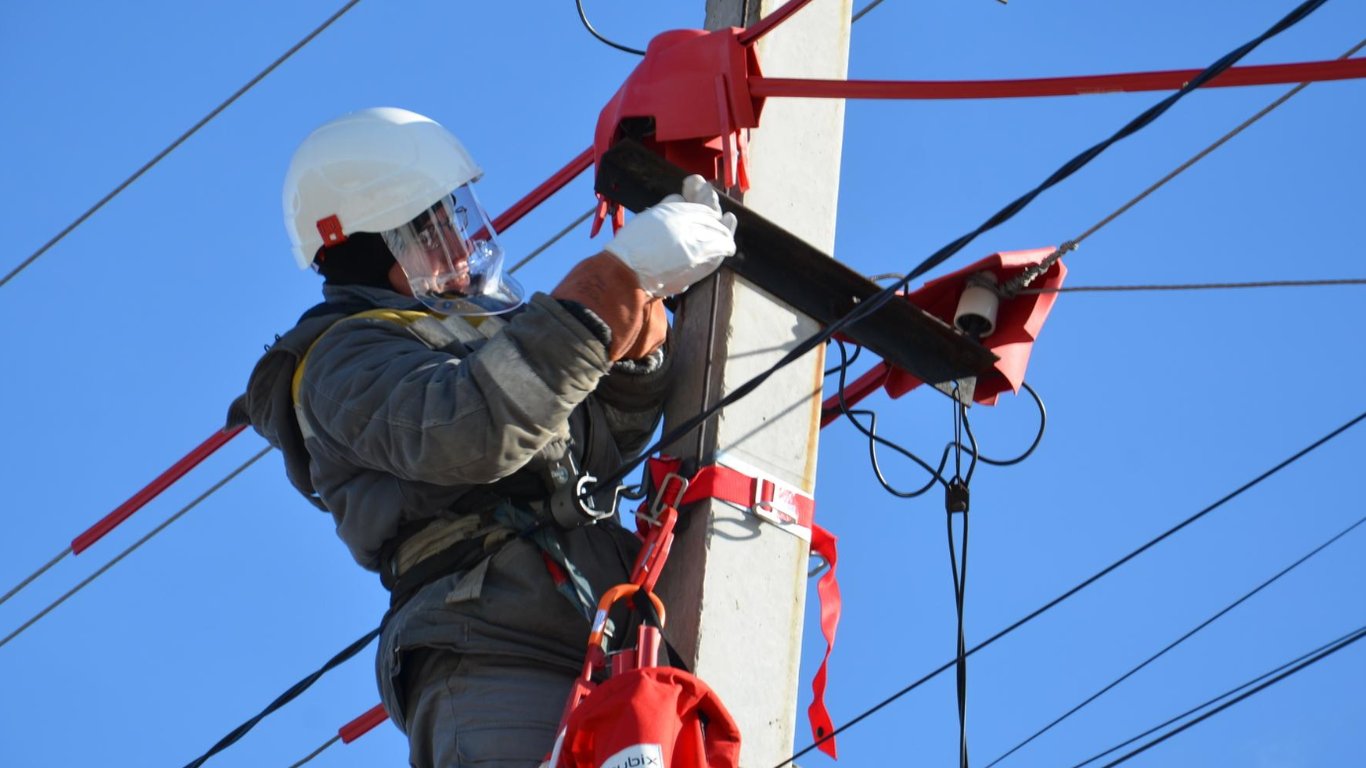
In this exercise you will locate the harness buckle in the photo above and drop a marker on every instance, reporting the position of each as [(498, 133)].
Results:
[(773, 504), (657, 505), (571, 506)]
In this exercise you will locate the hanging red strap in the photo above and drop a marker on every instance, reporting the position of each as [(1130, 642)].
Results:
[(828, 588)]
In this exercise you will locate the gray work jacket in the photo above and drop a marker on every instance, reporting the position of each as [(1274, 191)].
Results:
[(395, 432)]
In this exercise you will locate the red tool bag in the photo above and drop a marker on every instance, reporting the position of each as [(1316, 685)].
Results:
[(652, 717)]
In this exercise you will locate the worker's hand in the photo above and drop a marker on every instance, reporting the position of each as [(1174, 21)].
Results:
[(677, 242), (609, 288), (654, 328)]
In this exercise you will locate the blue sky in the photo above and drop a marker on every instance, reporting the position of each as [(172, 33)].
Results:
[(126, 342)]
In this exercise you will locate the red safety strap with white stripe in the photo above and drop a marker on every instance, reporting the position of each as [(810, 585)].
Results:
[(794, 512)]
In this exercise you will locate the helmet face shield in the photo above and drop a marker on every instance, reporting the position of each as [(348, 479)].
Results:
[(452, 259)]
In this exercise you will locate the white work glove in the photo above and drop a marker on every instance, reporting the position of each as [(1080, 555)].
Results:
[(677, 242)]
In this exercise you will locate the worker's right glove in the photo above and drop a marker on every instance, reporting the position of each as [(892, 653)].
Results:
[(677, 242), (609, 289)]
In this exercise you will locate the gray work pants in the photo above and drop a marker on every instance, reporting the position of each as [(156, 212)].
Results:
[(493, 712)]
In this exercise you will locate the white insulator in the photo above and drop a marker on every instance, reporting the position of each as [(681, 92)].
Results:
[(976, 314)]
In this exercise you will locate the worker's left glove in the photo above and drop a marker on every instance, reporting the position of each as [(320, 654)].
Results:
[(677, 242)]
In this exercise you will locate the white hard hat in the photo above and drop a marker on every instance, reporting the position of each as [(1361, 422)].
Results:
[(369, 171), (400, 175)]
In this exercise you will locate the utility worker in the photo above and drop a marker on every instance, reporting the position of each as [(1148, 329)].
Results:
[(451, 425)]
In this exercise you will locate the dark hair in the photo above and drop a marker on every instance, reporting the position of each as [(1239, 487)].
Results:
[(362, 259)]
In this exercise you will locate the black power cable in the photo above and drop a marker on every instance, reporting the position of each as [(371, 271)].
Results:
[(1088, 581), (1218, 615), (1320, 656), (870, 431), (589, 26), (956, 502), (1038, 436), (285, 698), (1221, 697), (877, 300)]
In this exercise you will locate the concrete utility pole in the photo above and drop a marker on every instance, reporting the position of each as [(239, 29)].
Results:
[(735, 587)]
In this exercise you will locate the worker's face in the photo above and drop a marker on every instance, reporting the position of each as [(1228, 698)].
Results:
[(439, 254), (434, 252), (450, 259)]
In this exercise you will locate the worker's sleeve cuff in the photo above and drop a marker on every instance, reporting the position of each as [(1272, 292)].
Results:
[(590, 320)]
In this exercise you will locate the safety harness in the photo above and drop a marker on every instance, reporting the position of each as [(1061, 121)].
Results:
[(485, 518)]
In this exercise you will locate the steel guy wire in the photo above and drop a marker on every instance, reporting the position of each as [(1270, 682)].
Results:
[(1220, 697), (877, 300), (1097, 576), (1198, 286), (1025, 278), (206, 494), (35, 575), (181, 140), (554, 239), (1352, 638), (309, 757), (1215, 617)]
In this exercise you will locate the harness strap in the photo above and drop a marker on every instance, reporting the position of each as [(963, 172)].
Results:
[(792, 511)]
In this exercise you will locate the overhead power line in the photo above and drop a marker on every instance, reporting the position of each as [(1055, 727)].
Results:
[(206, 494), (1086, 582), (286, 697), (136, 502), (864, 11), (1316, 658), (1198, 286), (181, 140), (1219, 614), (1221, 697)]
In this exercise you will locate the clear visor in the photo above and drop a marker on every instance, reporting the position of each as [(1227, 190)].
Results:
[(452, 258)]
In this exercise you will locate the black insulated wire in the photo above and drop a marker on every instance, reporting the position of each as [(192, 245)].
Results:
[(1213, 618), (956, 502), (870, 431), (589, 26), (1097, 576), (1038, 436), (1221, 697), (181, 140), (286, 697), (1316, 658), (877, 300), (845, 362)]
